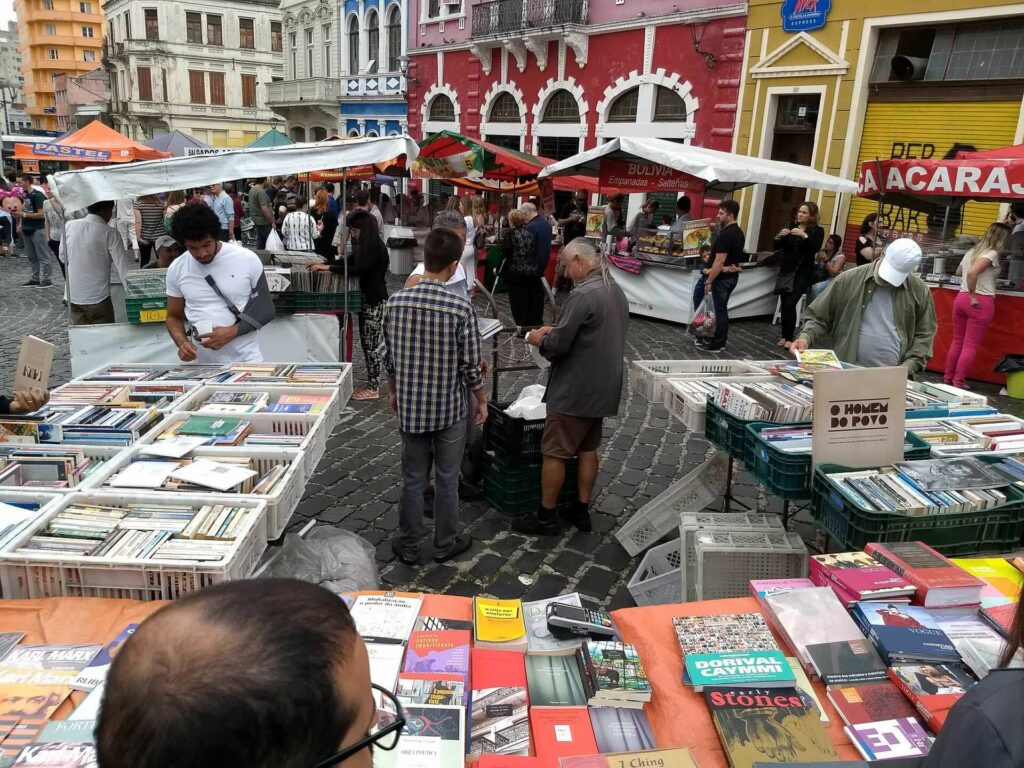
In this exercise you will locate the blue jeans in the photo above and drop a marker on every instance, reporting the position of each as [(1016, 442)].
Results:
[(447, 446), (721, 290), (39, 255)]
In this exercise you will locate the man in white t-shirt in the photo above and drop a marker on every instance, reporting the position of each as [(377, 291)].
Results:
[(219, 337), (459, 282)]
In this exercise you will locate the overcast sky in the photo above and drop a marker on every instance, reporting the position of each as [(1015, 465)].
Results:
[(6, 12)]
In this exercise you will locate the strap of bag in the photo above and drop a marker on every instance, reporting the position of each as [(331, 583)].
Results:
[(234, 310)]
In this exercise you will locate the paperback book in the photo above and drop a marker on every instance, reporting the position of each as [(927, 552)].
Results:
[(724, 632), (561, 732), (445, 652), (385, 618), (431, 689), (846, 662), (499, 715), (810, 617), (889, 739), (613, 675), (499, 624), (433, 737), (739, 669), (1002, 580), (858, 704), (903, 633), (658, 758), (618, 729), (932, 688), (96, 673), (554, 681)]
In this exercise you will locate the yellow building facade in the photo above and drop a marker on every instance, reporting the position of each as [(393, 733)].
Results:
[(881, 79), (56, 37)]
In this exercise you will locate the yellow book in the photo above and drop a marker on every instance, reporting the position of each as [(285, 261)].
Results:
[(996, 571), (499, 624)]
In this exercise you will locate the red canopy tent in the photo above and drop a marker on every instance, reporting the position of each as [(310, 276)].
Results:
[(1016, 152), (926, 184), (94, 144)]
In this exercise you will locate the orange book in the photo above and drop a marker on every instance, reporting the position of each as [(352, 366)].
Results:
[(561, 732)]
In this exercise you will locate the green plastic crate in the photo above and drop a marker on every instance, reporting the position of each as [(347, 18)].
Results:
[(291, 302), (789, 476), (516, 491), (149, 309), (725, 431), (992, 530)]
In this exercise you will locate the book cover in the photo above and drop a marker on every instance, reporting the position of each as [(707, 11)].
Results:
[(766, 724), (208, 426), (499, 623), (508, 761), (613, 669), (431, 689), (20, 733), (870, 703), (67, 731), (657, 758), (561, 732), (739, 669), (1000, 617), (889, 739), (385, 663), (995, 572), (818, 358), (96, 672), (385, 618), (499, 719), (904, 632), (725, 632), (445, 652), (433, 737), (760, 588), (805, 689), (8, 640), (939, 583), (61, 755), (932, 688), (809, 617), (554, 681), (847, 662), (862, 575), (539, 637), (618, 729)]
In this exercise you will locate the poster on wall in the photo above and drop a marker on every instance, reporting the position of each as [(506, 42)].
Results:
[(804, 15), (546, 193), (859, 416), (595, 222)]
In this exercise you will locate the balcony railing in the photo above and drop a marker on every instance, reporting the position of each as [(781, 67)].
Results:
[(313, 90), (499, 17), (385, 84)]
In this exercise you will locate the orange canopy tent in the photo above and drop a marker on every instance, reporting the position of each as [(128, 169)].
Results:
[(94, 144)]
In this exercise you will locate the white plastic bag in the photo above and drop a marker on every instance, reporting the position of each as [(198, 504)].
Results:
[(274, 242), (703, 324), (530, 404), (335, 558)]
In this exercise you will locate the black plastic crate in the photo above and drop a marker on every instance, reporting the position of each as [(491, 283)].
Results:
[(992, 530), (290, 302), (514, 441), (725, 431), (515, 491)]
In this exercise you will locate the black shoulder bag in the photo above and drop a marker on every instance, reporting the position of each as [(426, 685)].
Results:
[(258, 311)]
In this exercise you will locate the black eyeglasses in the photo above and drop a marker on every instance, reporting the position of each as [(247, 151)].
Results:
[(384, 733)]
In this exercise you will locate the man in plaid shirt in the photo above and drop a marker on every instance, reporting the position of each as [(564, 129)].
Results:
[(432, 356)]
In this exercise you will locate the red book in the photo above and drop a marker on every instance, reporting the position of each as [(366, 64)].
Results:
[(561, 732), (508, 761), (870, 703), (499, 711), (939, 583), (1000, 617), (821, 580), (858, 574), (443, 652), (932, 688)]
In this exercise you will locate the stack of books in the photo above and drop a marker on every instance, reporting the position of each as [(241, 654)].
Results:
[(613, 675), (326, 374), (46, 466), (856, 576), (903, 633), (227, 474), (997, 432), (220, 431), (777, 403), (234, 402), (95, 424), (118, 395), (154, 373)]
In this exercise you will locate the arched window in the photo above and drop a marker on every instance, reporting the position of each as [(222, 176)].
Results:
[(394, 38), (504, 109), (319, 134), (371, 135), (353, 134), (298, 134), (561, 108), (668, 105), (442, 109), (372, 42), (353, 45), (624, 108)]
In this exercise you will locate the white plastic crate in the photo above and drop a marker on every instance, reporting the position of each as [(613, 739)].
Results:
[(694, 524), (280, 505), (188, 387), (331, 412), (726, 562), (656, 581), (199, 378), (38, 574), (342, 379), (691, 410), (661, 515), (313, 428), (107, 453), (648, 376)]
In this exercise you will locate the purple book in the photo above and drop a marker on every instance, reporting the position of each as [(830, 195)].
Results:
[(889, 739), (438, 652)]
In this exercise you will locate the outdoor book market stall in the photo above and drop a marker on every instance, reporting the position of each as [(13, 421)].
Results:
[(942, 188), (661, 281), (304, 337)]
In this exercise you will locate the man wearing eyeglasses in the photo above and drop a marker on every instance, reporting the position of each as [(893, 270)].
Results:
[(266, 673)]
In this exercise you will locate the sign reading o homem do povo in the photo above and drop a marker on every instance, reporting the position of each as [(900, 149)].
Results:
[(804, 15)]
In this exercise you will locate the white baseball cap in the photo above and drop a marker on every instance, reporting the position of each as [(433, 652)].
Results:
[(901, 257)]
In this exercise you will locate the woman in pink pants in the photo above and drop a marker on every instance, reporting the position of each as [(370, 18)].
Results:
[(975, 305)]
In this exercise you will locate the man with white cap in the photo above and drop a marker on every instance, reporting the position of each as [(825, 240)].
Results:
[(877, 314)]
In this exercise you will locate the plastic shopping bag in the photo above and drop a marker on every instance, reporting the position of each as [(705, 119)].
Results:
[(274, 242), (703, 324), (332, 557)]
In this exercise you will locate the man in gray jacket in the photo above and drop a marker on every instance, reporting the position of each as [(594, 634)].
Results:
[(584, 386)]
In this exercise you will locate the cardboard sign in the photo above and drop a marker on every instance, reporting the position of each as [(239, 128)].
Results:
[(859, 416), (546, 192), (34, 364), (643, 176)]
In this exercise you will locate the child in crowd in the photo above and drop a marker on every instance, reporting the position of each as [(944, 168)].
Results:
[(703, 267)]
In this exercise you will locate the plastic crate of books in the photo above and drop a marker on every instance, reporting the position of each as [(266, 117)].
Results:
[(29, 574), (656, 580), (291, 302), (121, 373), (725, 431), (281, 502), (515, 441), (727, 561), (99, 461), (694, 524), (648, 377), (514, 491), (789, 475), (660, 516), (998, 529), (687, 404), (300, 431), (286, 375), (99, 425), (145, 295), (328, 399)]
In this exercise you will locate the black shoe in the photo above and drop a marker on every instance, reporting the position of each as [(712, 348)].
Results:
[(428, 503), (712, 347), (578, 515), (461, 544), (405, 556), (46, 284), (31, 283), (468, 492), (534, 524)]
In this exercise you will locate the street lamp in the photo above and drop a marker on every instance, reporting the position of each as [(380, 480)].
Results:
[(403, 67)]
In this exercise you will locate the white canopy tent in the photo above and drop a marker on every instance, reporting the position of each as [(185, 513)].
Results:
[(720, 171), (81, 188)]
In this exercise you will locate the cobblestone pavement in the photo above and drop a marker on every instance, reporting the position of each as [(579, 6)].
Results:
[(358, 482)]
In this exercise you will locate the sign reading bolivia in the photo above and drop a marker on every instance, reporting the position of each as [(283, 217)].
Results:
[(979, 179), (644, 176)]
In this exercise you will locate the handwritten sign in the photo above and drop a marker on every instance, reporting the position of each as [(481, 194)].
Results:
[(644, 176), (34, 363)]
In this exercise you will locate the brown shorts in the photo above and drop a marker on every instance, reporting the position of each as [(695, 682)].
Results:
[(567, 436)]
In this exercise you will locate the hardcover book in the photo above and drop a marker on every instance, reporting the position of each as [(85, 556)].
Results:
[(618, 729), (858, 704), (809, 617), (658, 758), (904, 633), (999, 617), (612, 672), (561, 732), (861, 575), (554, 681), (889, 739), (499, 719), (725, 632), (932, 688), (939, 583), (444, 652), (751, 722), (433, 737), (764, 669)]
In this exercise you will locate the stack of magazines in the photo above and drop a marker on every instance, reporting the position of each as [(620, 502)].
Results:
[(778, 403)]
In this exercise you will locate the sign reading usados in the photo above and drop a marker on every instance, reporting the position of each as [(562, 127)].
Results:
[(958, 178)]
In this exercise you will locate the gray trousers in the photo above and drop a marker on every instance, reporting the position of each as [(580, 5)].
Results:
[(447, 446), (39, 254)]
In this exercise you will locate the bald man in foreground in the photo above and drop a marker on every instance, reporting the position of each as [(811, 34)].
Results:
[(267, 673)]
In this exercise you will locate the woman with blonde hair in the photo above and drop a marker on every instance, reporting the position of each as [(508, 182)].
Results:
[(469, 250), (175, 202), (975, 305)]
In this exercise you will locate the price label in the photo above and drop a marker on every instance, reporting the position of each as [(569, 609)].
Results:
[(152, 315)]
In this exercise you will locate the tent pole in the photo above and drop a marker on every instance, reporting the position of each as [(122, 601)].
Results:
[(344, 260)]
